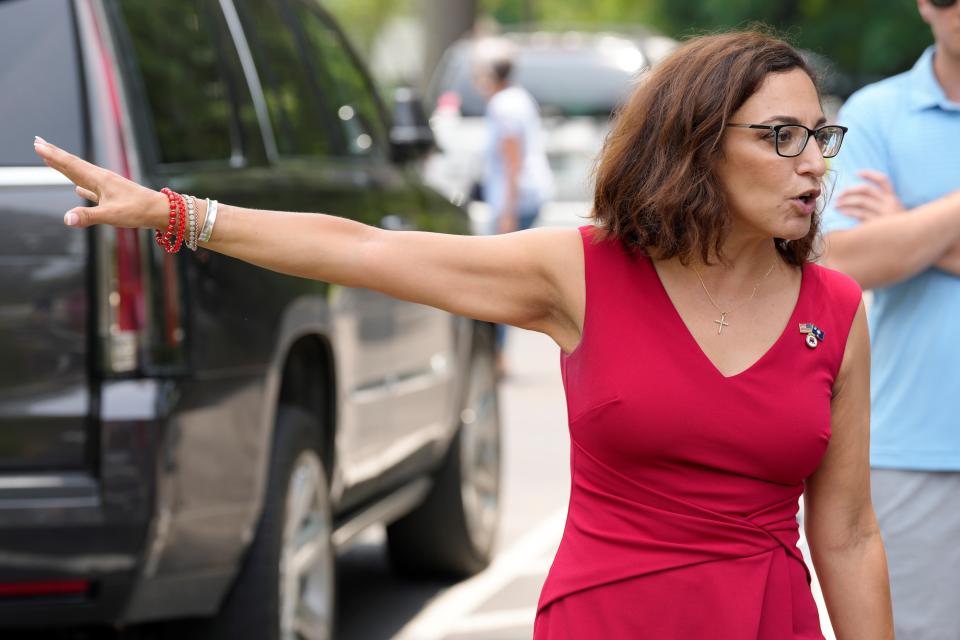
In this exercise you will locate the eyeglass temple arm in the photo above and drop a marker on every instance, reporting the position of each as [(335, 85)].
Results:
[(754, 126)]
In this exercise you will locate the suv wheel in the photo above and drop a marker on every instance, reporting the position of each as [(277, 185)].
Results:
[(452, 532), (285, 590)]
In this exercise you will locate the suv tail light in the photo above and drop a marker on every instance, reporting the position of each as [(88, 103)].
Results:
[(48, 588), (134, 278)]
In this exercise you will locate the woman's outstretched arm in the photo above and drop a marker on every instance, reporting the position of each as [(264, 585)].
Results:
[(532, 279)]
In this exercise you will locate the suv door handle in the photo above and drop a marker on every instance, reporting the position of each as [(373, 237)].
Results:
[(396, 222)]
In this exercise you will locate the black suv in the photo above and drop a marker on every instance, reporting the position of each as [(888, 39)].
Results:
[(190, 436)]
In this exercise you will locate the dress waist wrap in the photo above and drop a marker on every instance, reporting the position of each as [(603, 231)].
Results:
[(618, 529)]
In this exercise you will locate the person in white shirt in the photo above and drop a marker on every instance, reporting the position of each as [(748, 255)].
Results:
[(517, 179)]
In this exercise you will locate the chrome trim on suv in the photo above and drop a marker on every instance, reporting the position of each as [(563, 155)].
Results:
[(253, 79), (31, 177)]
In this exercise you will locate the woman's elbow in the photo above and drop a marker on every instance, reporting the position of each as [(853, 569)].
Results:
[(833, 538)]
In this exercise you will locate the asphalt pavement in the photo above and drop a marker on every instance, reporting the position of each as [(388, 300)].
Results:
[(498, 604)]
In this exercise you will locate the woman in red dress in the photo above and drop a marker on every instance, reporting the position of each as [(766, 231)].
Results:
[(713, 373)]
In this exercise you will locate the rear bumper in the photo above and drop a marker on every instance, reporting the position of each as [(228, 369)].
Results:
[(62, 560), (66, 529)]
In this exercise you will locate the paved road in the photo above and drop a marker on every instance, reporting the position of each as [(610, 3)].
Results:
[(499, 603)]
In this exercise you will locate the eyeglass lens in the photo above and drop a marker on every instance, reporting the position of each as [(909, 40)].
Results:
[(791, 140), (943, 4)]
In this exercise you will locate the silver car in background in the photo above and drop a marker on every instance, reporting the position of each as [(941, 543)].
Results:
[(577, 78)]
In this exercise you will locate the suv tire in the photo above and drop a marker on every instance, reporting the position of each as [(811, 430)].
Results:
[(452, 533), (271, 599)]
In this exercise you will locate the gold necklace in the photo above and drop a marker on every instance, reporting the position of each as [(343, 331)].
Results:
[(722, 322)]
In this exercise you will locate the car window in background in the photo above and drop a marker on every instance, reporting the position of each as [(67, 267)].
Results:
[(292, 95), (245, 120), (576, 81), (38, 58), (350, 94), (571, 175)]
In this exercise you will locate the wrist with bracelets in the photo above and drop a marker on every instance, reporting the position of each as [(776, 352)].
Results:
[(182, 226)]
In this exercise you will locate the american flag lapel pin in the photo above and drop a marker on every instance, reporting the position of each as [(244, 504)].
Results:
[(813, 332)]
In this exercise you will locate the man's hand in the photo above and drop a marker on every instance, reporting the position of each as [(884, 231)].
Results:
[(511, 150), (875, 199), (507, 222), (872, 199)]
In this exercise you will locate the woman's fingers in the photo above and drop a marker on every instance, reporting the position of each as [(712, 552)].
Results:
[(80, 172), (120, 202), (86, 194), (82, 217)]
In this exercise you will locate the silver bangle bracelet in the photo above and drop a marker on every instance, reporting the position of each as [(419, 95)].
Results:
[(210, 220)]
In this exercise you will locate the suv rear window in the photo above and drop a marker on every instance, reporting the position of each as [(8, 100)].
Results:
[(356, 104), (182, 79), (293, 97), (39, 79)]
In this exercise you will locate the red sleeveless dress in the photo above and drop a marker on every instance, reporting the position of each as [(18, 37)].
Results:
[(685, 483)]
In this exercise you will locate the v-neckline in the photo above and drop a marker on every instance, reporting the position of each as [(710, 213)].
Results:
[(684, 328)]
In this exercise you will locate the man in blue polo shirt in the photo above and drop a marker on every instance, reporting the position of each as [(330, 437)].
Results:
[(894, 225)]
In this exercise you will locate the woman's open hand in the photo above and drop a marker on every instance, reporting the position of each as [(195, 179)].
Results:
[(119, 202)]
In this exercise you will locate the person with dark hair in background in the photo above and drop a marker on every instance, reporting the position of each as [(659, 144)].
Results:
[(895, 227), (516, 179), (713, 372)]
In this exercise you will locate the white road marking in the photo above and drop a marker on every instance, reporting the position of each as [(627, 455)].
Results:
[(496, 620), (825, 625), (536, 567), (449, 611)]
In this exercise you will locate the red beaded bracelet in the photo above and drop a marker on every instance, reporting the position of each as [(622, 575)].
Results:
[(172, 238), (163, 239), (182, 213)]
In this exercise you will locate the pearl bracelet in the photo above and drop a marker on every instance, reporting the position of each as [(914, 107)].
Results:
[(192, 223)]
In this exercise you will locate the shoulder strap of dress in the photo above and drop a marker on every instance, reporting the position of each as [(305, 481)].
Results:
[(601, 254), (605, 261), (599, 245), (838, 298)]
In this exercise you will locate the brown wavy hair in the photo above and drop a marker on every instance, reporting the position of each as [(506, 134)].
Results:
[(656, 188)]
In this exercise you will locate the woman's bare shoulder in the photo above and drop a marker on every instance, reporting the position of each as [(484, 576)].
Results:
[(558, 249)]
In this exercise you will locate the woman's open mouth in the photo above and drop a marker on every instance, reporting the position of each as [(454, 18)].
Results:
[(807, 201)]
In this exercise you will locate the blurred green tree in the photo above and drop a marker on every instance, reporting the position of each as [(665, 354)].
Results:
[(363, 19), (867, 39)]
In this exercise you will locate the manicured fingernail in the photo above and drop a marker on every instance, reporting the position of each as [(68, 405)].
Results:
[(71, 219), (39, 139)]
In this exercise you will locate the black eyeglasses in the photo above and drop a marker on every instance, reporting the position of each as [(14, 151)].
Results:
[(943, 4), (791, 139)]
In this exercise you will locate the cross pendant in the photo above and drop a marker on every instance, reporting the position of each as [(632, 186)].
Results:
[(721, 323)]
